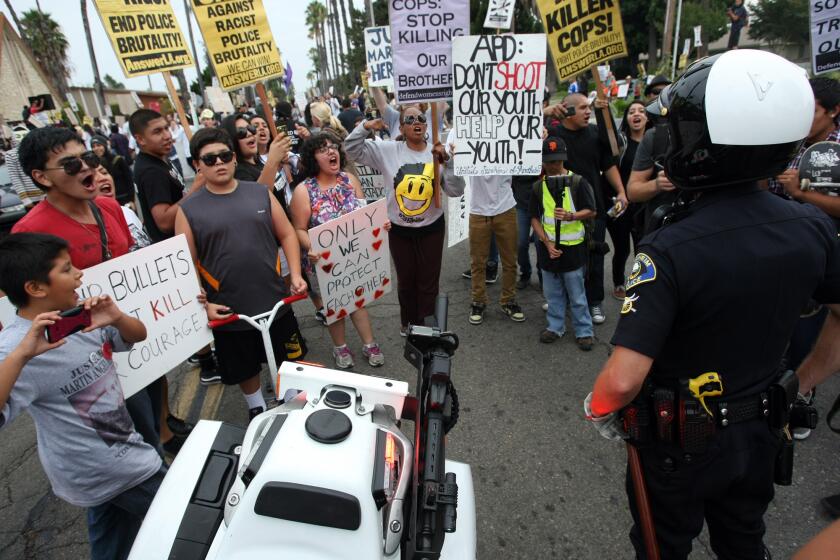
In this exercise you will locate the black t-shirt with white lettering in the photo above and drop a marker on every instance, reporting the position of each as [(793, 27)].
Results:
[(158, 182)]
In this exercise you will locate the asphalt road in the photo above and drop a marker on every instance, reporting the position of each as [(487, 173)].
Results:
[(547, 485)]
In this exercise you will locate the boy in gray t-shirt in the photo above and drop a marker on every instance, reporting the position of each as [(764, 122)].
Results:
[(87, 443)]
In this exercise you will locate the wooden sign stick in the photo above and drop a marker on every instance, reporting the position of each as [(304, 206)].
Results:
[(268, 112), (179, 108), (435, 140), (608, 119)]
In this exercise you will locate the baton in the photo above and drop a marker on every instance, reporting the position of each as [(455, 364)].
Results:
[(642, 503), (808, 185)]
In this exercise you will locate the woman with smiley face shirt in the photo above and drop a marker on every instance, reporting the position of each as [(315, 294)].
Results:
[(418, 229)]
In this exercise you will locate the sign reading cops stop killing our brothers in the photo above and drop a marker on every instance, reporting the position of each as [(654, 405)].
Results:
[(239, 41), (499, 81), (582, 33), (825, 35), (145, 36), (157, 285), (421, 45)]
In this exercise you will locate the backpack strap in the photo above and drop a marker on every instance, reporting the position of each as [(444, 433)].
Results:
[(103, 235)]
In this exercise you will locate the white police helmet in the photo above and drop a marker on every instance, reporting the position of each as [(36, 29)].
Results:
[(734, 117)]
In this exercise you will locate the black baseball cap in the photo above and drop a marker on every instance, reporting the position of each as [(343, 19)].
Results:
[(554, 149), (657, 81)]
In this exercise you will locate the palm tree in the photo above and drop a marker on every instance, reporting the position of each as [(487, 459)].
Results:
[(14, 15), (97, 82), (333, 40), (316, 14), (342, 61), (49, 45)]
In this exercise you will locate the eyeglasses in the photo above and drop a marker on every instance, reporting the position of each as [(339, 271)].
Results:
[(411, 119), (242, 133), (210, 159), (73, 165), (327, 148)]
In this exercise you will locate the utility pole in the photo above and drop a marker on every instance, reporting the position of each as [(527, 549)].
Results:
[(668, 33), (676, 41), (369, 8), (97, 82), (195, 52)]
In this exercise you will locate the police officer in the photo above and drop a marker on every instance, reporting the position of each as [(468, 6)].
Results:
[(681, 346)]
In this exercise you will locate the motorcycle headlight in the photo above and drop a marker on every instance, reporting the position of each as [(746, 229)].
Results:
[(386, 474)]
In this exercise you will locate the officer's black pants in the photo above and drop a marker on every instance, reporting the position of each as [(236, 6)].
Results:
[(729, 486)]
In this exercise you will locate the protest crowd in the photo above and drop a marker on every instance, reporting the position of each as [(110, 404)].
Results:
[(265, 182)]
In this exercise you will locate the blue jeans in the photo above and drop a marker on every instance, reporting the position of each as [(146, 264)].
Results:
[(524, 238), (558, 285), (113, 526)]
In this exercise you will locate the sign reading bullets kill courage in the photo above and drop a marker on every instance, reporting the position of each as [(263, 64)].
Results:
[(239, 41), (582, 33), (145, 36)]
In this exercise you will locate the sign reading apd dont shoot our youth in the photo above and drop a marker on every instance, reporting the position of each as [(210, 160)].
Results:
[(145, 36), (239, 41), (499, 81), (421, 45), (582, 33)]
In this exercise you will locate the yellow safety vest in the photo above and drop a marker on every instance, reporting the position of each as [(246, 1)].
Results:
[(571, 233)]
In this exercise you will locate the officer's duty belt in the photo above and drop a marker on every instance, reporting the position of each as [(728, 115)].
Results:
[(729, 411)]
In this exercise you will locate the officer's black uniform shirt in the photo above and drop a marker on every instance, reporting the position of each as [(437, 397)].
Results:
[(722, 289)]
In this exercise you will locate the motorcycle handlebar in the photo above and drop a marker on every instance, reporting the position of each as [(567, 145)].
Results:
[(442, 311)]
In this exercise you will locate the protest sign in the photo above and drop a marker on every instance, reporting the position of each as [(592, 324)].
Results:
[(219, 100), (825, 35), (582, 34), (239, 41), (499, 14), (698, 41), (421, 46), (684, 56), (145, 35), (354, 264), (373, 183), (378, 56), (498, 113), (157, 285), (458, 216)]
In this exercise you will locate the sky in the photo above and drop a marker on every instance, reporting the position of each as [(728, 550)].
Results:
[(286, 17)]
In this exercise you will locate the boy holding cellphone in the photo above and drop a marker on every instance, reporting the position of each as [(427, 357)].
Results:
[(89, 449)]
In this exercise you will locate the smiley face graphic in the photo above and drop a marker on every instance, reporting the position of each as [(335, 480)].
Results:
[(413, 188)]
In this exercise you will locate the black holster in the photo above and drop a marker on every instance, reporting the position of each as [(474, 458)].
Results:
[(782, 394)]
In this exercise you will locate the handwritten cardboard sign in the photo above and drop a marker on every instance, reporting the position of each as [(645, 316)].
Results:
[(373, 183), (157, 285), (354, 265), (458, 216), (145, 35), (499, 14), (378, 56), (499, 82), (239, 41), (421, 44), (582, 34)]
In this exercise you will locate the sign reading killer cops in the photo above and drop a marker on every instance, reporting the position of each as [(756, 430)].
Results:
[(239, 41), (582, 33), (421, 46), (145, 36)]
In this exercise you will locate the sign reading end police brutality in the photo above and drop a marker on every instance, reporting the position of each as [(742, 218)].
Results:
[(421, 45), (354, 263), (239, 41), (145, 36), (157, 285), (499, 81), (825, 35), (582, 33)]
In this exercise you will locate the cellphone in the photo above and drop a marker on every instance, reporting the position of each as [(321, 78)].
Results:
[(570, 111), (282, 128), (71, 321)]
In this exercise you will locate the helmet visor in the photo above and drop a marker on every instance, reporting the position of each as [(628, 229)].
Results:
[(661, 104)]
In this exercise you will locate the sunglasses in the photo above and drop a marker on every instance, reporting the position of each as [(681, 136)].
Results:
[(210, 159), (73, 165), (327, 148), (411, 119), (243, 133)]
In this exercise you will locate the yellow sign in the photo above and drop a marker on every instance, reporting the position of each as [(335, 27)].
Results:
[(239, 41), (582, 33), (145, 35)]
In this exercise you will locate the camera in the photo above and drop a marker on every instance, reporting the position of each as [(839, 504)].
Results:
[(570, 111)]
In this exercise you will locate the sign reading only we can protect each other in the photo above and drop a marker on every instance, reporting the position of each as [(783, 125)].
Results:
[(421, 45)]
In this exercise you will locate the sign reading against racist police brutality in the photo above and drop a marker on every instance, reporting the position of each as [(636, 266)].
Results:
[(373, 183), (582, 33), (825, 35), (145, 36), (239, 41), (157, 285), (378, 56), (458, 216), (498, 113), (421, 45), (499, 14), (354, 263)]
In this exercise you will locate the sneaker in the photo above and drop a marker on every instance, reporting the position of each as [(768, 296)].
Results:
[(803, 433), (492, 273), (513, 311), (373, 354), (179, 427), (343, 357), (598, 316), (320, 317), (545, 306), (547, 336), (585, 343), (254, 412), (619, 293), (477, 313), (195, 359), (173, 446), (467, 274), (523, 283), (209, 374)]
